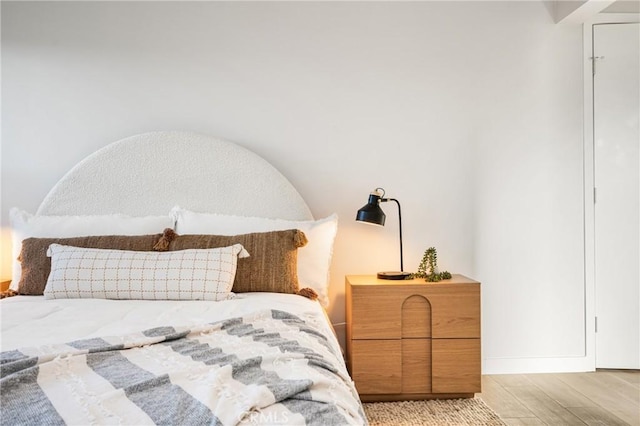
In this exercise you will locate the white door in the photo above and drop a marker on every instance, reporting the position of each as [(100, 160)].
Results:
[(616, 94)]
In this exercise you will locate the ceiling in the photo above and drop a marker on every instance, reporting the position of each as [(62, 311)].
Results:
[(623, 6), (581, 11)]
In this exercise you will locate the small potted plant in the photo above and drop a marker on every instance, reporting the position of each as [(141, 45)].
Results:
[(428, 268)]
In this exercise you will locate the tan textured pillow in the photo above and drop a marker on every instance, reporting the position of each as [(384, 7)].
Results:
[(272, 262), (36, 265)]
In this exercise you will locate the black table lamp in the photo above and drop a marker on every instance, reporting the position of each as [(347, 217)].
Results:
[(372, 213)]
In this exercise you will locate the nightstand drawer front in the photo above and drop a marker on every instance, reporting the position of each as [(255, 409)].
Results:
[(400, 311), (456, 365), (376, 366)]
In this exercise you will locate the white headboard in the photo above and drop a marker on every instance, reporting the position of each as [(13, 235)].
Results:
[(148, 174)]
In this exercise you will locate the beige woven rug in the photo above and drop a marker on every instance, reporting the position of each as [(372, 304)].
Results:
[(437, 412)]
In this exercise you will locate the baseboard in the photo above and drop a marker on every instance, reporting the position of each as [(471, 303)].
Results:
[(537, 365)]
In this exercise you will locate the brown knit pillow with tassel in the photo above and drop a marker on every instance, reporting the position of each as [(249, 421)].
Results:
[(36, 265), (272, 265)]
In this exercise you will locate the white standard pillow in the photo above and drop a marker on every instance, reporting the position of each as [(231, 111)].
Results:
[(314, 259), (25, 225), (195, 274)]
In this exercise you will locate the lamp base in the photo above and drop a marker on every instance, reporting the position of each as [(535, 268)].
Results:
[(393, 275)]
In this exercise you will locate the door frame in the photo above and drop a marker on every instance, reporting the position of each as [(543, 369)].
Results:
[(589, 178)]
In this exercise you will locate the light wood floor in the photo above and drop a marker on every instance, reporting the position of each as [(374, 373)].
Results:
[(605, 397)]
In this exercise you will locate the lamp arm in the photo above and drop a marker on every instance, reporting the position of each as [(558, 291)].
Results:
[(383, 200)]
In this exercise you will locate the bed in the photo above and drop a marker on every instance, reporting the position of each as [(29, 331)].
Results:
[(238, 336)]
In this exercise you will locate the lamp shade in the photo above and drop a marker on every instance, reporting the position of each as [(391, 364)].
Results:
[(371, 212)]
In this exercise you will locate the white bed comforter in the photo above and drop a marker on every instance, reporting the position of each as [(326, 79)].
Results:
[(45, 325), (32, 321)]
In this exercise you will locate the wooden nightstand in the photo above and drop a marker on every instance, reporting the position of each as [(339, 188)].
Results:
[(4, 285), (412, 339)]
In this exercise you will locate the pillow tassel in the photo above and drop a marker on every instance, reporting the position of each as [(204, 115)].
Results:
[(168, 235), (309, 293), (299, 239), (8, 293)]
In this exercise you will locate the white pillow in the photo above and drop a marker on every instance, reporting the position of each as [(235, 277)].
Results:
[(25, 225), (196, 274), (314, 259)]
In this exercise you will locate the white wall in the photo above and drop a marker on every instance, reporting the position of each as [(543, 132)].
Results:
[(468, 113)]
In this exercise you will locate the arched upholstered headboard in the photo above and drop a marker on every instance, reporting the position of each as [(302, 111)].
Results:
[(150, 173)]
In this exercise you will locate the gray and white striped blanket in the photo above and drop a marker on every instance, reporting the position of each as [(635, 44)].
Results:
[(270, 367)]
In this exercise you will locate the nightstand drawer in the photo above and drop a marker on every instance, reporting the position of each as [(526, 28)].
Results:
[(376, 366), (452, 310)]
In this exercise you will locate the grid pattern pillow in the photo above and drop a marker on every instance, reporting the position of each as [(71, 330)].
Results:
[(83, 273)]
